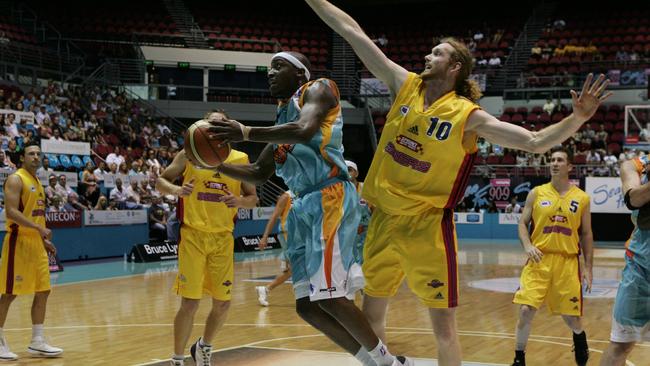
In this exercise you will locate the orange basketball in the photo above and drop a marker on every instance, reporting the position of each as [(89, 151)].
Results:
[(201, 150)]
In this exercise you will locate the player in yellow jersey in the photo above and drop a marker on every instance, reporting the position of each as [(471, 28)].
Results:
[(207, 207), (420, 170), (561, 229), (281, 211), (25, 264)]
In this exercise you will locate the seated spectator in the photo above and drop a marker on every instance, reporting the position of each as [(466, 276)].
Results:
[(478, 36), (62, 189), (157, 223), (118, 194), (73, 203), (112, 205), (101, 171), (549, 106), (513, 206), (382, 41), (482, 62), (494, 61), (115, 157), (50, 190), (610, 160), (5, 162), (522, 159), (88, 174), (601, 170), (11, 129), (559, 24), (593, 157), (56, 205), (91, 193), (483, 147), (102, 203)]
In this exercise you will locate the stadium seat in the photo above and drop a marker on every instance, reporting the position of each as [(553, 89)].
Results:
[(86, 159), (65, 162), (76, 162), (54, 161)]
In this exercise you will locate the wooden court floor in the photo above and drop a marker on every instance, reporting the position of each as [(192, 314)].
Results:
[(128, 320)]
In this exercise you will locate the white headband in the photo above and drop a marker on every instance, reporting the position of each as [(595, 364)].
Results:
[(294, 61)]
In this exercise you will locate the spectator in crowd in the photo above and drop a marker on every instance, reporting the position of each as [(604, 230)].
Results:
[(118, 194), (102, 203), (56, 205), (62, 189), (152, 162), (559, 24), (157, 223), (478, 36), (14, 153), (115, 157), (610, 160), (381, 41), (113, 169), (124, 169), (483, 147), (56, 134), (492, 207), (10, 126), (112, 205), (100, 171), (135, 168), (90, 192), (45, 168), (494, 61), (601, 170), (593, 157), (522, 159), (598, 144), (50, 190), (602, 134), (88, 173), (513, 206), (549, 106), (73, 203), (42, 115), (5, 162), (133, 192)]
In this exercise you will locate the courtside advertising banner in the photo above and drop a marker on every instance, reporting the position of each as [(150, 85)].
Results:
[(19, 116), (65, 147), (65, 219), (473, 218), (509, 218), (108, 218), (606, 195)]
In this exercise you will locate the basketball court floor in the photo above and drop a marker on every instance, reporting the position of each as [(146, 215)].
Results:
[(119, 313)]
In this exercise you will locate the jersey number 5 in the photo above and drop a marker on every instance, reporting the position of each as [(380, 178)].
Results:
[(574, 206), (441, 130)]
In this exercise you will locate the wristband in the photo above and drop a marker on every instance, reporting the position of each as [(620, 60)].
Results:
[(246, 131), (626, 199)]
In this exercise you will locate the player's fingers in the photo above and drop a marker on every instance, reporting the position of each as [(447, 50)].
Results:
[(574, 96), (587, 83), (604, 97), (602, 87), (596, 83)]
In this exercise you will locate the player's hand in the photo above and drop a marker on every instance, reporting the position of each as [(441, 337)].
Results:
[(534, 254), (46, 233), (227, 130), (49, 247), (264, 242), (587, 278), (230, 199), (186, 189), (585, 105)]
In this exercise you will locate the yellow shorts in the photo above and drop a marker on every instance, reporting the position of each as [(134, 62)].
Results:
[(25, 265), (555, 279), (422, 248), (205, 264)]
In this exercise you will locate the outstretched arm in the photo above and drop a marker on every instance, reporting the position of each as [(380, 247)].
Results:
[(392, 74), (256, 173), (512, 136), (318, 102)]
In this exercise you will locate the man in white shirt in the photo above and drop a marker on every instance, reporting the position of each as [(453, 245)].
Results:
[(118, 194), (513, 206), (115, 157), (42, 116), (549, 106), (62, 189), (494, 61)]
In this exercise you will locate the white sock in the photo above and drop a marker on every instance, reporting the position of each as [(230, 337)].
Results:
[(577, 332), (178, 357), (381, 355), (2, 333), (364, 357), (203, 344), (521, 337), (37, 331)]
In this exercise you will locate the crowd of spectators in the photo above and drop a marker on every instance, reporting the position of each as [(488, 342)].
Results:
[(129, 147)]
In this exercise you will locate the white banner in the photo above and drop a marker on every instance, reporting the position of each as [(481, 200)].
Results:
[(20, 116), (474, 218), (109, 179), (65, 147), (509, 218), (123, 217), (606, 195), (72, 179), (372, 86), (262, 213)]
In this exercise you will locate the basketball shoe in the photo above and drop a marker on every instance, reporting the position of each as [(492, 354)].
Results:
[(39, 347), (580, 348), (5, 353), (520, 358), (403, 361), (201, 354), (177, 362), (262, 295)]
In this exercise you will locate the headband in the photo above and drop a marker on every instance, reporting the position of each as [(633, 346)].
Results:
[(293, 60)]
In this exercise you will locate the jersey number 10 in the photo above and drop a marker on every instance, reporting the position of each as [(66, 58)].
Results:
[(441, 130)]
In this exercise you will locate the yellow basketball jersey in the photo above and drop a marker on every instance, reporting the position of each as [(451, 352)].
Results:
[(556, 219), (421, 162), (32, 202), (203, 209)]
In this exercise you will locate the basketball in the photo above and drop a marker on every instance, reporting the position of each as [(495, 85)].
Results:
[(201, 150)]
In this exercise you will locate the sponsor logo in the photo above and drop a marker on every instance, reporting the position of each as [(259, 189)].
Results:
[(439, 296), (382, 350), (329, 289), (19, 278), (63, 216), (312, 290), (163, 248), (409, 144), (215, 185), (255, 240), (406, 160), (227, 283), (558, 218), (32, 188), (435, 283), (280, 153), (545, 203), (244, 214), (404, 110), (210, 197), (557, 229), (38, 212), (413, 130), (574, 299), (473, 218)]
